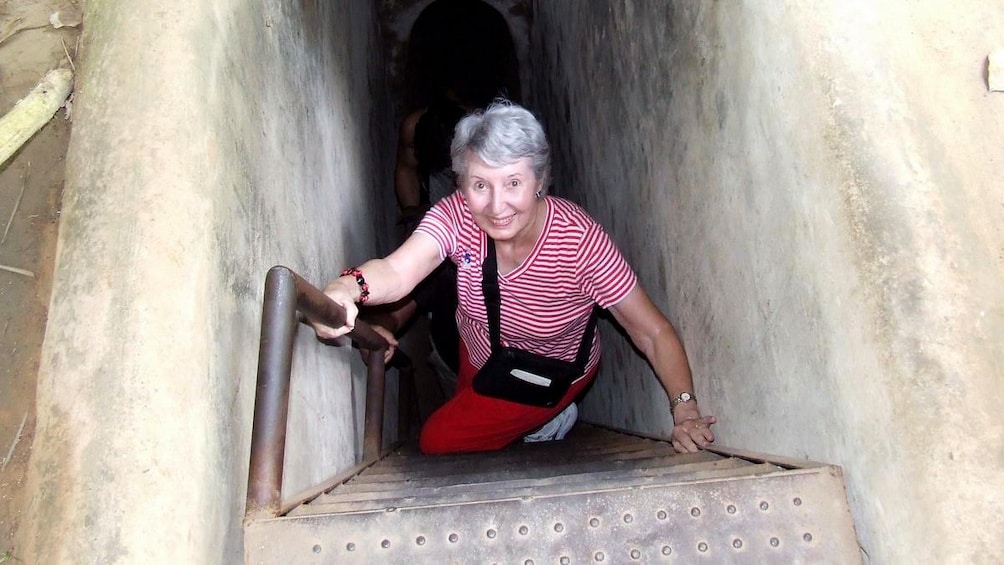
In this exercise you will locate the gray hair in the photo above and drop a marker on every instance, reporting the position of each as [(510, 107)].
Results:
[(501, 135)]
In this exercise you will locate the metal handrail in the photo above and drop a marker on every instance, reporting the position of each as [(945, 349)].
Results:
[(286, 293)]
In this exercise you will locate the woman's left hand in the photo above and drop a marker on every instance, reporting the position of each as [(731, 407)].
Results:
[(693, 434), (388, 353)]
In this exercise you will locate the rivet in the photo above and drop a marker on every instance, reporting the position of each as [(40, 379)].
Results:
[(661, 515), (317, 549), (559, 527), (391, 509), (385, 543), (695, 512), (599, 556), (666, 550), (594, 522), (420, 540), (350, 546), (453, 538), (807, 537), (635, 554), (737, 543), (731, 509), (491, 534), (528, 562), (774, 542), (764, 505), (797, 501), (523, 530), (702, 547), (628, 518), (565, 560)]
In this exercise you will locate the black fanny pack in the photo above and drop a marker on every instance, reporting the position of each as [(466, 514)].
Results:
[(517, 375)]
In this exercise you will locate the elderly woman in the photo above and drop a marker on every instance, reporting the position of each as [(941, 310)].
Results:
[(532, 269)]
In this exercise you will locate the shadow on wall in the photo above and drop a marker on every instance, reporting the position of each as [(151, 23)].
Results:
[(464, 45)]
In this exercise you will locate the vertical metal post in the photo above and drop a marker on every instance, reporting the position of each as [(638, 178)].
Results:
[(275, 358), (405, 397), (373, 430), (285, 294)]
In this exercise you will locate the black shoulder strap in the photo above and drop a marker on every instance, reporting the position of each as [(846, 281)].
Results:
[(587, 341), (493, 305), (493, 298)]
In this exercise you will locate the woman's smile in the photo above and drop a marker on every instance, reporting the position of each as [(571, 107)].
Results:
[(504, 221)]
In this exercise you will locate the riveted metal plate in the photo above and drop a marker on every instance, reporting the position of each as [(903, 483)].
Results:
[(598, 497), (784, 516)]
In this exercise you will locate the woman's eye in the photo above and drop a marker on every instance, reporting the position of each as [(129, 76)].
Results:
[(480, 186), (514, 184)]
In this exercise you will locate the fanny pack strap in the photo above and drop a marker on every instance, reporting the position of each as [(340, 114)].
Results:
[(493, 304)]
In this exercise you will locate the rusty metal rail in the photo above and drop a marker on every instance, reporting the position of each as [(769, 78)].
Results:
[(287, 293)]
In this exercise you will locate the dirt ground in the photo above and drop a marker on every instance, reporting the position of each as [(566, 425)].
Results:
[(31, 184)]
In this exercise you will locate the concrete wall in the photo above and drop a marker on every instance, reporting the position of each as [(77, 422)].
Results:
[(813, 195), (211, 141)]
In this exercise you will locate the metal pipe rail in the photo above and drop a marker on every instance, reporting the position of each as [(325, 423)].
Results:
[(286, 293)]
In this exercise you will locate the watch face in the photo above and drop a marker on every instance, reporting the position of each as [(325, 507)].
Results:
[(685, 397)]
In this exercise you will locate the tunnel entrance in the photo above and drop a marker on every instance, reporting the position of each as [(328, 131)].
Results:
[(463, 45)]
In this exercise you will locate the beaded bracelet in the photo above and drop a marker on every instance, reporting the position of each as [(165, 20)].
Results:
[(364, 289)]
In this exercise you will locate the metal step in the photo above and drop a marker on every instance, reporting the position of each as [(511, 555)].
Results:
[(598, 497)]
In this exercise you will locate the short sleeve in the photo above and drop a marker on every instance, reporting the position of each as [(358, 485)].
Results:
[(605, 274), (441, 224)]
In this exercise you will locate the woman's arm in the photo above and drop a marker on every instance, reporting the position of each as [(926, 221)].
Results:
[(388, 279), (654, 335)]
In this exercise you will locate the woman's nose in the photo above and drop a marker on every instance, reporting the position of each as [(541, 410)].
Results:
[(495, 201)]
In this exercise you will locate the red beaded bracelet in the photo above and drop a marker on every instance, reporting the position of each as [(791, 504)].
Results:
[(364, 289)]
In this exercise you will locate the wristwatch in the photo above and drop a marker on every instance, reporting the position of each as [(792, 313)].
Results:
[(682, 399)]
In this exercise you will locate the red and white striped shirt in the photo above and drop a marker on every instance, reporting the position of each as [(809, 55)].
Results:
[(547, 300)]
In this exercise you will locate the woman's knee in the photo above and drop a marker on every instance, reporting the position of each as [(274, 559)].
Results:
[(432, 441)]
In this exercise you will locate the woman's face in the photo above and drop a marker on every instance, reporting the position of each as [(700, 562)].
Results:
[(503, 200)]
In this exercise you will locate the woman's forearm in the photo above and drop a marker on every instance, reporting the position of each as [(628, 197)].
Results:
[(393, 277), (669, 361), (382, 284), (654, 335)]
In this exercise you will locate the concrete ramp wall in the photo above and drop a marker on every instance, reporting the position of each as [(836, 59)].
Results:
[(813, 193), (211, 141)]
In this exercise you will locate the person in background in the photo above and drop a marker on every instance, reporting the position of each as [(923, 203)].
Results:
[(422, 172), (531, 269), (422, 177)]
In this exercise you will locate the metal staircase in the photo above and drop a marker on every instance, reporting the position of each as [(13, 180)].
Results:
[(599, 496)]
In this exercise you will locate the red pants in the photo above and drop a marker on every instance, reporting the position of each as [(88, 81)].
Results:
[(472, 422)]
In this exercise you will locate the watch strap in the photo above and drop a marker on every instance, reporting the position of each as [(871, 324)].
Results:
[(683, 398)]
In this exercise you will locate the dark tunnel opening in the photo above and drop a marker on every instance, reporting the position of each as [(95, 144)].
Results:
[(464, 46)]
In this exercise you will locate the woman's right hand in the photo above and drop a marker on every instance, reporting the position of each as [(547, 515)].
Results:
[(337, 292)]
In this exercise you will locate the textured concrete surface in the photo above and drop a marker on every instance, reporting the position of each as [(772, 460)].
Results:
[(211, 141), (812, 194), (808, 192)]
